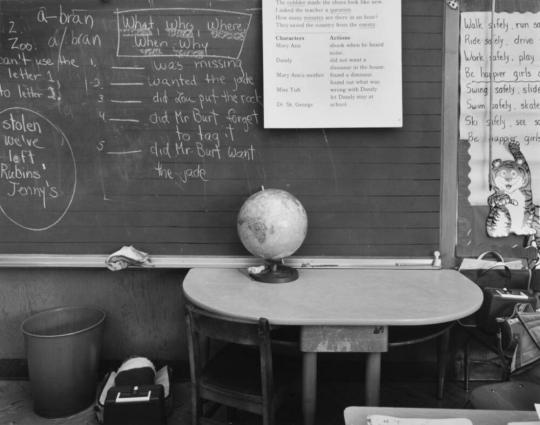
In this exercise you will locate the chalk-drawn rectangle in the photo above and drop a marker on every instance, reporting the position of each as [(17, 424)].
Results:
[(181, 32)]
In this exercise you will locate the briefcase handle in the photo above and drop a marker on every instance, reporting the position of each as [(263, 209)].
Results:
[(496, 254)]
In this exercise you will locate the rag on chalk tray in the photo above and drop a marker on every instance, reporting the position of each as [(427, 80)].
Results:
[(128, 256)]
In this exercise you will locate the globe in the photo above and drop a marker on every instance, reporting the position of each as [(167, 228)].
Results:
[(272, 224)]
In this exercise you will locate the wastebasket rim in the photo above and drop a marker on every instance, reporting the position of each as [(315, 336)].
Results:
[(86, 307)]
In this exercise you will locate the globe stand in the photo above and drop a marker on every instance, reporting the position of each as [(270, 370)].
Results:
[(276, 273)]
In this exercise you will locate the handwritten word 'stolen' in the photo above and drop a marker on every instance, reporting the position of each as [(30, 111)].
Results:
[(14, 124)]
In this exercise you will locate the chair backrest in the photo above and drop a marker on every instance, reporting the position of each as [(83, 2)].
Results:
[(202, 324), (227, 329)]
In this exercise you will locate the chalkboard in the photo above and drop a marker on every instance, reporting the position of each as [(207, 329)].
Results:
[(472, 236), (140, 123)]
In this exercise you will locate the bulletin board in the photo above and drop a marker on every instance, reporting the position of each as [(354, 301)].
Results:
[(499, 66)]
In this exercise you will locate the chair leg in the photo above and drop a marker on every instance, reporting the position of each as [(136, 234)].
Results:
[(268, 414), (466, 365), (442, 360), (505, 363), (196, 406), (309, 387), (232, 414)]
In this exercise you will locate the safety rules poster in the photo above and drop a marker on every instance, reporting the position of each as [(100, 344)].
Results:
[(500, 94)]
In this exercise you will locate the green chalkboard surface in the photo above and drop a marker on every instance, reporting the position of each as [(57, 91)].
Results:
[(140, 122)]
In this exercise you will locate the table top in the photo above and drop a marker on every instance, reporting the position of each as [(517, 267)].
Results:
[(356, 415), (339, 297)]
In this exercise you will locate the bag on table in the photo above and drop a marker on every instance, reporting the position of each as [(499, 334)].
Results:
[(490, 269)]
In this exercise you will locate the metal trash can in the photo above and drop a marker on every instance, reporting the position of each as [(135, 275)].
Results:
[(63, 346)]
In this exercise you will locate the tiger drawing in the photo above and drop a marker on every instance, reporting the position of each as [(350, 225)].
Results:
[(511, 207)]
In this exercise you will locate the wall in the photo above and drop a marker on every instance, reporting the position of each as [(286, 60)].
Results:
[(145, 316), (144, 310)]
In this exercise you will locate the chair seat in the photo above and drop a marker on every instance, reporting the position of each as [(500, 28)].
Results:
[(406, 335), (510, 395), (237, 369)]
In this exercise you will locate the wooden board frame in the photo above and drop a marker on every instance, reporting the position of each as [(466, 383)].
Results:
[(450, 138), (188, 261)]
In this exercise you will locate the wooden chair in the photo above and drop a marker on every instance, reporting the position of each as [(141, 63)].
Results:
[(243, 374), (519, 393), (406, 335), (510, 395), (492, 337), (494, 343)]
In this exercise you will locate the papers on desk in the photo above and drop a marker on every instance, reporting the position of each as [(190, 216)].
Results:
[(392, 420), (524, 423), (537, 408), (480, 264)]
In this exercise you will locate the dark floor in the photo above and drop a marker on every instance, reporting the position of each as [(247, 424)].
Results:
[(333, 397)]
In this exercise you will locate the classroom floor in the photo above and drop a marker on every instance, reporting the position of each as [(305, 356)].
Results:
[(16, 403)]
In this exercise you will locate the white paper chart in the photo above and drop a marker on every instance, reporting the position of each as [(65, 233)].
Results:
[(332, 63), (500, 60)]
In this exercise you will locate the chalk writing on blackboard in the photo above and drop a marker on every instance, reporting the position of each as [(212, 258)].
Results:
[(202, 95), (38, 173), (188, 96), (181, 32)]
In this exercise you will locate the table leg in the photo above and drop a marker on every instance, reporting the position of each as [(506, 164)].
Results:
[(373, 378), (309, 387), (442, 359)]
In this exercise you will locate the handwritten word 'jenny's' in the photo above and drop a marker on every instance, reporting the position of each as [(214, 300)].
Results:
[(43, 192)]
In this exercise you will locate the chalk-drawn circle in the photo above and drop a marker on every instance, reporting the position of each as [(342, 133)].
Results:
[(38, 173)]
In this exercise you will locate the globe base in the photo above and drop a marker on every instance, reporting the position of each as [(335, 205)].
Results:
[(276, 273)]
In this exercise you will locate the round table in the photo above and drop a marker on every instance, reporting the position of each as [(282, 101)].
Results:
[(338, 310)]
